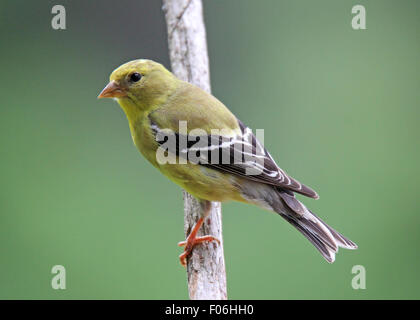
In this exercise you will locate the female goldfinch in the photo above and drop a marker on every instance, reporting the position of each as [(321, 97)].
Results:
[(156, 103)]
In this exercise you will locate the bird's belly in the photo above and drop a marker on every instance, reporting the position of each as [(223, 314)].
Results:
[(202, 182)]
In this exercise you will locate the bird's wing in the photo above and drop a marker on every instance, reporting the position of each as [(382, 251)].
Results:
[(233, 149)]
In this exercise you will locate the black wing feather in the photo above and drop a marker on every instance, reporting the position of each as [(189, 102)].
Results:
[(236, 156)]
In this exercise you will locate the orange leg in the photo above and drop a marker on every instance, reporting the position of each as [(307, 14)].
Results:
[(192, 241)]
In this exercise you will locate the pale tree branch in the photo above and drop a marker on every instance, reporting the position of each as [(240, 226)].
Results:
[(189, 62)]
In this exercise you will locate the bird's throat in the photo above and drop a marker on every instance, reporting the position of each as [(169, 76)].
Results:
[(131, 109)]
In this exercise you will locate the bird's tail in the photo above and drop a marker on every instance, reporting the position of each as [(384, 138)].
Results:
[(321, 235)]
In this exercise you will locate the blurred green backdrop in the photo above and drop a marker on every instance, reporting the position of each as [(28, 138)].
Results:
[(340, 113)]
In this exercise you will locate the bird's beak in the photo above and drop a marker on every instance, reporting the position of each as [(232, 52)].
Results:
[(112, 90)]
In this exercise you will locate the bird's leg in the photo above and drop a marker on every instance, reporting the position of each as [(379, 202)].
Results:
[(192, 239)]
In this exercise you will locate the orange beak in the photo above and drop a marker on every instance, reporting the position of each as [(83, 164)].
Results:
[(112, 90)]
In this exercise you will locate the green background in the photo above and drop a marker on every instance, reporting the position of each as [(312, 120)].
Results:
[(340, 112)]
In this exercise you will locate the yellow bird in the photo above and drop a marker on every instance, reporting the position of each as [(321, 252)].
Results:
[(194, 140)]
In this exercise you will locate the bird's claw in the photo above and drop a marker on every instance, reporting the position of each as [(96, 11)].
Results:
[(190, 243)]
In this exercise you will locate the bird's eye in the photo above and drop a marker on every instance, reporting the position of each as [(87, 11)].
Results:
[(135, 77)]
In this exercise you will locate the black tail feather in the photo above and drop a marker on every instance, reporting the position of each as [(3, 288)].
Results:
[(321, 235)]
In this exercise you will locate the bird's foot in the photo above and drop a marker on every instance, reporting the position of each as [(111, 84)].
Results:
[(192, 241)]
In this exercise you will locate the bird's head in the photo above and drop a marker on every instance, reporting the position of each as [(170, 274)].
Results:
[(140, 84)]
